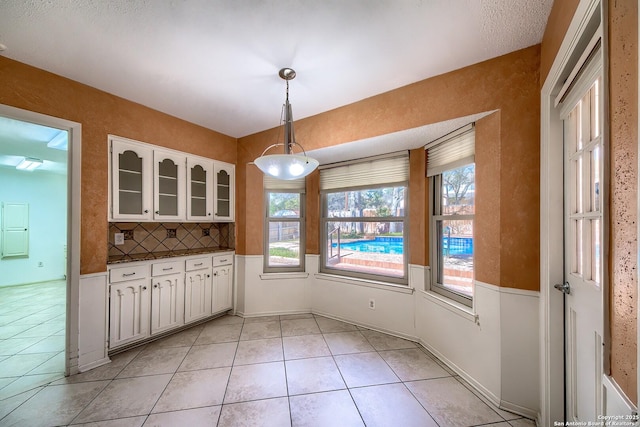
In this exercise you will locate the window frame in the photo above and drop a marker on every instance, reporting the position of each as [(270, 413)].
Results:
[(435, 195), (300, 219), (404, 220)]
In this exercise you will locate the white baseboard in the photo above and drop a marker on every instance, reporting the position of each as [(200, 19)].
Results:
[(93, 364)]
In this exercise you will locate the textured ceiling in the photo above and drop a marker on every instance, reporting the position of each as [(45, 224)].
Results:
[(216, 62)]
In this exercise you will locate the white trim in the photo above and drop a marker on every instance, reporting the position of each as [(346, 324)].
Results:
[(451, 305), (364, 282), (616, 402), (638, 225), (73, 221), (551, 222), (284, 276)]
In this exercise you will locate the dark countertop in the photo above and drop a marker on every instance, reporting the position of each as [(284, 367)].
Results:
[(121, 259)]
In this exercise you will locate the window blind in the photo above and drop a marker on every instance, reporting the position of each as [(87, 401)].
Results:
[(452, 150), (380, 170), (297, 185)]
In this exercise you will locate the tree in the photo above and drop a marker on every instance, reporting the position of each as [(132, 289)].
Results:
[(455, 185)]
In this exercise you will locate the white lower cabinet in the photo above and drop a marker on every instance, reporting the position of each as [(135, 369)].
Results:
[(222, 283), (129, 303), (150, 297), (197, 301)]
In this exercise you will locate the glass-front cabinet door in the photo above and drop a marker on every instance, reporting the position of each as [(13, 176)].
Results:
[(199, 189), (131, 184), (224, 191), (168, 185)]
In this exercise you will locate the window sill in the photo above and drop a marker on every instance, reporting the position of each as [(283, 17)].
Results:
[(453, 306), (284, 276), (364, 282)]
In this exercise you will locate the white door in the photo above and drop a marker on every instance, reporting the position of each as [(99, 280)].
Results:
[(15, 229), (583, 229)]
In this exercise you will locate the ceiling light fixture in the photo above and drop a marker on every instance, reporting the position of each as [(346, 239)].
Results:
[(29, 164), (286, 166)]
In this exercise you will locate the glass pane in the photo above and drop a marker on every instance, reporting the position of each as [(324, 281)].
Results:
[(129, 160), (198, 174), (366, 247), (223, 192), (580, 135), (284, 244), (577, 185), (168, 169), (198, 189), (223, 208), (378, 202), (284, 205), (168, 186), (455, 255), (595, 179), (223, 178), (130, 203), (596, 254), (198, 206), (595, 107), (577, 246), (168, 204), (458, 191)]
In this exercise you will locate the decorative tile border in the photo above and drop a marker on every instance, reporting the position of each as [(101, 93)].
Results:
[(149, 237)]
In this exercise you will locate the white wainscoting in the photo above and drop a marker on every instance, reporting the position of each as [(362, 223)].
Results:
[(262, 294), (93, 319)]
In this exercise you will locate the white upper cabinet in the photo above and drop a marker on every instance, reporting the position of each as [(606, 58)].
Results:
[(224, 191), (131, 186), (149, 183), (168, 185), (199, 189)]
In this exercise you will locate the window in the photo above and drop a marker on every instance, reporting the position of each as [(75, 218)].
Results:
[(363, 222), (450, 164), (284, 226)]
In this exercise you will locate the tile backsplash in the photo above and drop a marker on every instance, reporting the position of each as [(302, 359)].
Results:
[(146, 237)]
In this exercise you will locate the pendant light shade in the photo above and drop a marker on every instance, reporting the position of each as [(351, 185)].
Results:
[(286, 166)]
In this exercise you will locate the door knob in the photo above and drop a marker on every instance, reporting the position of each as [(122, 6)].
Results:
[(564, 288)]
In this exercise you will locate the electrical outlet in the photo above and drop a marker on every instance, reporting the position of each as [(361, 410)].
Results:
[(372, 304), (40, 264), (118, 238)]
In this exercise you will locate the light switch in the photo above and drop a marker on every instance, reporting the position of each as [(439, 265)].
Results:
[(119, 238)]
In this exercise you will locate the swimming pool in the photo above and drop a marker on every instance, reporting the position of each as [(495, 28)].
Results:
[(379, 245), (394, 245)]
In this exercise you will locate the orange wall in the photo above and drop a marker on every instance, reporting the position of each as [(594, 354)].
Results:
[(509, 84), (623, 134), (101, 114)]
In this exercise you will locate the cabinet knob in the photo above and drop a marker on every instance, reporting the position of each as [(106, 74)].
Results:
[(208, 275), (155, 286), (209, 214), (146, 211), (144, 288), (157, 212), (215, 274)]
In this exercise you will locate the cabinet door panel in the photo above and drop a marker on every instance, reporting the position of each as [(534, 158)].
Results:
[(199, 189), (197, 295), (131, 172), (167, 302), (168, 190), (224, 191), (129, 312), (222, 291)]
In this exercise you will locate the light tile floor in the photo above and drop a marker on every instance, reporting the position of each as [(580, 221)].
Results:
[(300, 370), (32, 336)]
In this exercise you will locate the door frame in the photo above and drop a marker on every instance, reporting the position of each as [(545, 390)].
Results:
[(551, 209), (73, 222)]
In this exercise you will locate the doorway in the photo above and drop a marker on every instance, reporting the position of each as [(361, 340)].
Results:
[(40, 257)]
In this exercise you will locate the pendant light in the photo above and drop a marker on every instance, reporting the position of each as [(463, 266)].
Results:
[(286, 166)]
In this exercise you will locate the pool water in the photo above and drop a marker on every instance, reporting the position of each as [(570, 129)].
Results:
[(379, 245), (394, 245)]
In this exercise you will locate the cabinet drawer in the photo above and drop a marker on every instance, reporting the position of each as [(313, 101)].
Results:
[(225, 259), (122, 274), (198, 263), (162, 268)]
